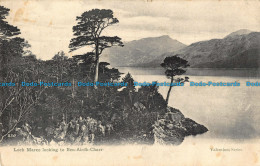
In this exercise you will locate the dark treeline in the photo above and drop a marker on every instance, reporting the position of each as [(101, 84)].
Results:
[(74, 114), (42, 107)]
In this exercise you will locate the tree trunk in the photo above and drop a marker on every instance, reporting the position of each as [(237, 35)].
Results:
[(169, 91), (97, 65)]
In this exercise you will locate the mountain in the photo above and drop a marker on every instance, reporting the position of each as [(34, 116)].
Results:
[(138, 52), (240, 49), (239, 32)]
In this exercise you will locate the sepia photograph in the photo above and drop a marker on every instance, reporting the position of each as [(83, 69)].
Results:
[(134, 83)]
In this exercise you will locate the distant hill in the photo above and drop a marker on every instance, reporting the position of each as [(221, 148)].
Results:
[(240, 49), (139, 52), (239, 32)]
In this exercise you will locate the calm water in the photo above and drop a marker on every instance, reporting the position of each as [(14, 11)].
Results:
[(230, 113), (194, 72)]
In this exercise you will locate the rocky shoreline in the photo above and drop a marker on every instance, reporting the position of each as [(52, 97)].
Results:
[(174, 127)]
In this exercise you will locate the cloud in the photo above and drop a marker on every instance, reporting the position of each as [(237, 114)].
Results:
[(47, 25)]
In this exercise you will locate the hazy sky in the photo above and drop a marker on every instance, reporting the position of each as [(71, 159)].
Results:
[(47, 24)]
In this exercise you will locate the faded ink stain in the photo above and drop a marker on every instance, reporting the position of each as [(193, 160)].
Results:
[(26, 2), (18, 14), (55, 158), (255, 158), (50, 24), (218, 154), (137, 157)]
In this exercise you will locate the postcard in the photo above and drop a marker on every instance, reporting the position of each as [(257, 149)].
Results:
[(129, 83)]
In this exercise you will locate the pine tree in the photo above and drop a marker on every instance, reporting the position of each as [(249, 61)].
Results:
[(88, 32), (174, 66)]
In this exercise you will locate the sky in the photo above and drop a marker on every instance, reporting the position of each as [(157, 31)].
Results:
[(47, 24)]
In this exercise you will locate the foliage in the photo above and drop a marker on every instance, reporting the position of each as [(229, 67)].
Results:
[(6, 30), (174, 66), (88, 32)]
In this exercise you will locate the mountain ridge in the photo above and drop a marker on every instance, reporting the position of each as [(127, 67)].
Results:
[(141, 51), (236, 50), (239, 49)]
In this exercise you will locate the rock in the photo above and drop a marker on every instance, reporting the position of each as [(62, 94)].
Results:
[(192, 127), (139, 106), (173, 128), (170, 126)]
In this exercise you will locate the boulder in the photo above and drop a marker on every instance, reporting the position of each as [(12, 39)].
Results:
[(174, 127)]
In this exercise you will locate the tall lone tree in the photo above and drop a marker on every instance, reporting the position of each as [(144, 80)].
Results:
[(88, 32), (174, 66)]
